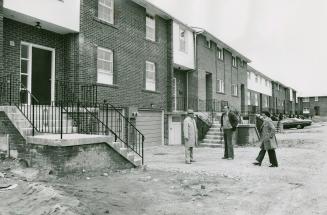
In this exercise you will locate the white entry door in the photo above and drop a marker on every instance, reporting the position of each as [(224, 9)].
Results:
[(176, 131)]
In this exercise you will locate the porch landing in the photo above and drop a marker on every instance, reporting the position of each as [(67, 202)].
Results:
[(68, 139)]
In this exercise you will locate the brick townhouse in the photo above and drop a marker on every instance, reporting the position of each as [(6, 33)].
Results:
[(120, 49), (313, 105), (259, 92), (220, 75), (279, 95)]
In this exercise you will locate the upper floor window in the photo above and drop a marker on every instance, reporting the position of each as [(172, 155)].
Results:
[(249, 75), (234, 90), (150, 76), (234, 62), (249, 98), (209, 44), (150, 28), (106, 10), (220, 54), (220, 88), (306, 99), (104, 66), (316, 99), (182, 40)]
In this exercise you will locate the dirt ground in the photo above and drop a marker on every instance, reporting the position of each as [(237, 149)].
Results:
[(169, 186)]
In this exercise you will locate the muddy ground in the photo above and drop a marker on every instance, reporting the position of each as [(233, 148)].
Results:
[(169, 186)]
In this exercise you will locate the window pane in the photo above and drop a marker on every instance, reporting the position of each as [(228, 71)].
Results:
[(24, 80), (23, 68), (24, 51)]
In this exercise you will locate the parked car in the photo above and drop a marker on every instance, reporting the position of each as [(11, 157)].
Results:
[(296, 123)]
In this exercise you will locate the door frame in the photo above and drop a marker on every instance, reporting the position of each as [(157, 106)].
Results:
[(29, 68)]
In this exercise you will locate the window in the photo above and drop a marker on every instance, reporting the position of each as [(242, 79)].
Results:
[(316, 99), (234, 62), (278, 87), (306, 99), (291, 95), (249, 75), (106, 10), (234, 90), (209, 44), (249, 98), (105, 66), (256, 78), (150, 28), (256, 99), (220, 86), (150, 76), (220, 54), (182, 40)]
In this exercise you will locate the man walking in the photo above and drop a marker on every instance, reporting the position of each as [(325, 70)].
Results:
[(190, 136), (228, 122)]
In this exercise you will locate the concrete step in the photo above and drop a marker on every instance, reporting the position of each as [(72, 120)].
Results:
[(130, 156), (214, 133), (137, 161), (214, 129), (213, 141), (213, 137), (215, 126), (211, 145), (123, 151)]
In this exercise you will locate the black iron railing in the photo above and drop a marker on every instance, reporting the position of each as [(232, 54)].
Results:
[(113, 121), (203, 127), (76, 91), (199, 105), (75, 110)]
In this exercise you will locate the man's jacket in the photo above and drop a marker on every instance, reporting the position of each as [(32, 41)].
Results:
[(233, 120)]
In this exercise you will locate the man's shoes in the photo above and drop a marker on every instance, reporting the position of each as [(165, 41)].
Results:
[(257, 164), (223, 158), (230, 158), (273, 165), (187, 162), (192, 161)]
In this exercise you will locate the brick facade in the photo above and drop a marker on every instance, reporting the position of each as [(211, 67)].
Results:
[(316, 107), (210, 68), (127, 39), (279, 96), (1, 38)]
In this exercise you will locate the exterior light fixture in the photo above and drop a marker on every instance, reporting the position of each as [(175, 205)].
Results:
[(38, 25)]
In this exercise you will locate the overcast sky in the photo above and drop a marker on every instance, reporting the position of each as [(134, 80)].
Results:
[(285, 39)]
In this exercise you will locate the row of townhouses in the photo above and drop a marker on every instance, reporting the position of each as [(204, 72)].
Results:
[(131, 55)]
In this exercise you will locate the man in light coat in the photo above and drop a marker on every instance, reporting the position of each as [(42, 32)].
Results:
[(268, 141), (190, 136)]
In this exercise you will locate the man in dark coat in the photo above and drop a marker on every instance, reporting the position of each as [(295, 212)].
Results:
[(228, 122)]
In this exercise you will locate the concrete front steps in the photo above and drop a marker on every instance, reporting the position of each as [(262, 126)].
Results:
[(85, 139), (214, 137)]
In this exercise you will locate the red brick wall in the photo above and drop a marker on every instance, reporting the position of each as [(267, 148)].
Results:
[(126, 38), (207, 61)]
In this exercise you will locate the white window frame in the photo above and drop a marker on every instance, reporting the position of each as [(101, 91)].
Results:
[(209, 44), (110, 7), (249, 98), (220, 53), (316, 99), (150, 84), (103, 72), (234, 62), (234, 90), (182, 39), (221, 88), (278, 87), (150, 25)]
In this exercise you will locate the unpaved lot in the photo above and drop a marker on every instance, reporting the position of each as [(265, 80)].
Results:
[(169, 186)]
